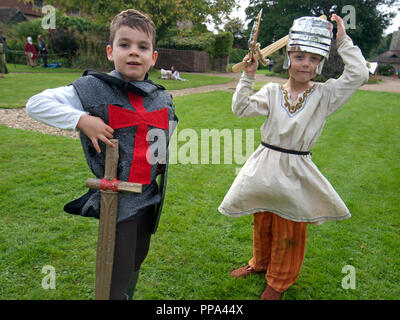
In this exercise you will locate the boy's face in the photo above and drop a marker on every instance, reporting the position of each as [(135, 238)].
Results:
[(132, 53), (303, 65)]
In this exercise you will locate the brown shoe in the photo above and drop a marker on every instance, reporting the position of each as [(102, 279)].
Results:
[(243, 272), (271, 294)]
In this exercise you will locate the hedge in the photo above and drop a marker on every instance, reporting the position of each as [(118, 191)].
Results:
[(217, 45)]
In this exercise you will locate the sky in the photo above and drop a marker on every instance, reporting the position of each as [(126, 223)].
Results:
[(244, 3), (395, 25)]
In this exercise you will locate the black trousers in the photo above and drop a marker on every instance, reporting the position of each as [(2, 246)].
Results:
[(132, 243), (44, 56)]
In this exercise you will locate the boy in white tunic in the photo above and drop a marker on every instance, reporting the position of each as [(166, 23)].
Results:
[(279, 183)]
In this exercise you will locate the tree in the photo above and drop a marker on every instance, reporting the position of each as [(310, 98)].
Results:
[(236, 27), (278, 16), (164, 13), (383, 46)]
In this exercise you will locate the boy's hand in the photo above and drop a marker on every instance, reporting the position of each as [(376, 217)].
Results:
[(95, 128), (341, 30), (251, 69)]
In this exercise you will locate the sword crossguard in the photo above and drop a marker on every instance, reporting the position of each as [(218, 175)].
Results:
[(109, 185), (114, 185), (254, 45), (260, 56)]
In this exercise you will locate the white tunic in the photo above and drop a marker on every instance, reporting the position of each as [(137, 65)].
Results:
[(287, 184)]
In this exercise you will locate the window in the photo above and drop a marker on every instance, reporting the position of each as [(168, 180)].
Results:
[(37, 4)]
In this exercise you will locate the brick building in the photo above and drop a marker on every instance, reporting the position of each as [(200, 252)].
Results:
[(392, 56), (15, 11)]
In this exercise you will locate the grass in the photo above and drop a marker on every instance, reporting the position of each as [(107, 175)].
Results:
[(17, 88), (195, 247), (23, 68), (20, 85), (194, 80), (270, 73)]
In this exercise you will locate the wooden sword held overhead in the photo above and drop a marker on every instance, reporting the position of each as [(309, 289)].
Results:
[(267, 51), (254, 46)]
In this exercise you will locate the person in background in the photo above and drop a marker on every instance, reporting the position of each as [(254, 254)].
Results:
[(3, 63), (175, 75), (270, 64), (30, 52), (43, 50), (3, 39)]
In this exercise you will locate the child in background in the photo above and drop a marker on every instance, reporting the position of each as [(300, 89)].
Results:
[(279, 183)]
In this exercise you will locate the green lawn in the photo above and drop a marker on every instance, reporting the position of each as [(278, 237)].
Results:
[(25, 82), (196, 247), (17, 88), (23, 68)]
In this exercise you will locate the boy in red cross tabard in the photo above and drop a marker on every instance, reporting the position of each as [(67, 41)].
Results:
[(124, 105)]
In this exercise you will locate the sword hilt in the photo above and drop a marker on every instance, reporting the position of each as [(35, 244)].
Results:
[(113, 185)]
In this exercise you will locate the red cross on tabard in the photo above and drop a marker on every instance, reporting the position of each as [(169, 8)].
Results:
[(140, 171)]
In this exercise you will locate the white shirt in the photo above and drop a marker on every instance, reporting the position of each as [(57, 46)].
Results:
[(59, 107)]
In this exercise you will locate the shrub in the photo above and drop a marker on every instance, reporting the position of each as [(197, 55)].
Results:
[(218, 46), (64, 43), (278, 62), (92, 53), (203, 42), (79, 24), (28, 28), (386, 69), (237, 55), (223, 44)]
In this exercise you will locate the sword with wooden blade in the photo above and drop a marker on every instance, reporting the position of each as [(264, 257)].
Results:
[(267, 51), (109, 187), (254, 47)]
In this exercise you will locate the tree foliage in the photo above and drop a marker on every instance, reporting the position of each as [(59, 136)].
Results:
[(164, 13), (383, 46), (236, 27), (278, 16)]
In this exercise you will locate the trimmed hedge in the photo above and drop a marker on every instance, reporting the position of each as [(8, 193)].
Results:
[(217, 45), (237, 55), (223, 44)]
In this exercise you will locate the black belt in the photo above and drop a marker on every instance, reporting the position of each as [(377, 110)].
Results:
[(302, 153)]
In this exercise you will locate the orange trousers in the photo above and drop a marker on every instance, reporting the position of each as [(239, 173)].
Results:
[(278, 248)]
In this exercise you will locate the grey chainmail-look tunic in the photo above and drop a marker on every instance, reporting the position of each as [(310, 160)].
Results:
[(96, 95)]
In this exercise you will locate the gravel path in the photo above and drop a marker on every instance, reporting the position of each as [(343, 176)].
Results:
[(18, 119)]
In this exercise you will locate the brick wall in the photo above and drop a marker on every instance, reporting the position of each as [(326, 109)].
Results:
[(183, 60)]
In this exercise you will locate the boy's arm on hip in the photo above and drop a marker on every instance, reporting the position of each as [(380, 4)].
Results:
[(59, 107)]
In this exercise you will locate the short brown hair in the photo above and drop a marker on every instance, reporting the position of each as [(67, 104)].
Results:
[(133, 19)]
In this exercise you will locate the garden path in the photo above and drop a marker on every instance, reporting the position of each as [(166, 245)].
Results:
[(18, 119)]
